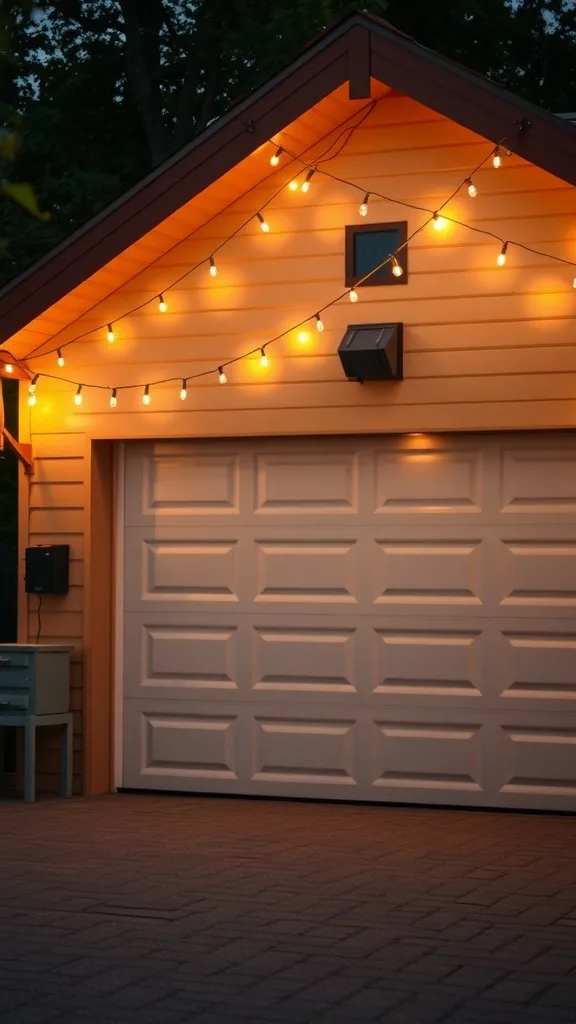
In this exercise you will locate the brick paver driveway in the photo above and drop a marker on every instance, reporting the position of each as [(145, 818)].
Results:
[(164, 910)]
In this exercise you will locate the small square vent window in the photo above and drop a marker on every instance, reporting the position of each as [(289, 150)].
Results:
[(368, 245)]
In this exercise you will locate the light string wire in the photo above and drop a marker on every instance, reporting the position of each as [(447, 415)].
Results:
[(390, 259)]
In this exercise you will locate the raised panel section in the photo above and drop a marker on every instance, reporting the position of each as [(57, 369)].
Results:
[(186, 483), (538, 573), (188, 746), (193, 570), (435, 572), (307, 482), (432, 662), (539, 760), (539, 665), (423, 755), (300, 750), (424, 481), (300, 659), (541, 480), (308, 571), (189, 657)]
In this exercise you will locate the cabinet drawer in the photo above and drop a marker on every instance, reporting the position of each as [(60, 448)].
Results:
[(15, 678), (14, 659), (13, 702)]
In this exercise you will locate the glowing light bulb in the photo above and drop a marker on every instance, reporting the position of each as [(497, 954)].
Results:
[(305, 186), (60, 359), (32, 385), (110, 333), (353, 295), (293, 185), (113, 399), (501, 258), (302, 337), (8, 367), (497, 158), (396, 268), (263, 357), (264, 226), (319, 323), (213, 267), (183, 390), (222, 376), (78, 399), (31, 400), (439, 222), (574, 283), (161, 304), (275, 160), (146, 395), (472, 190), (364, 205)]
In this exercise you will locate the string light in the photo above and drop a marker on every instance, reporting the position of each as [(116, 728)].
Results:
[(305, 186), (31, 398), (78, 396), (183, 389), (275, 160), (146, 395), (60, 359), (501, 258), (213, 267), (8, 367), (364, 205), (293, 185), (263, 357), (113, 399), (439, 222), (303, 336), (161, 303)]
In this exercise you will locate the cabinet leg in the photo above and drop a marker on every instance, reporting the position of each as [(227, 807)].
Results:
[(66, 760), (30, 761)]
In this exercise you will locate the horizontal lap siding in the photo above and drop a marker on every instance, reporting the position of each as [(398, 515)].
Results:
[(485, 348), (57, 502)]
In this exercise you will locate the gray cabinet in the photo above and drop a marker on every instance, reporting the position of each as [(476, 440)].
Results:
[(35, 679), (35, 691)]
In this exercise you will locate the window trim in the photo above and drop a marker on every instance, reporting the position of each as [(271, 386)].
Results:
[(384, 276)]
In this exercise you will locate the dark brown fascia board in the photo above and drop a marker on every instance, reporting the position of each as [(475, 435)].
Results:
[(475, 102), (394, 59)]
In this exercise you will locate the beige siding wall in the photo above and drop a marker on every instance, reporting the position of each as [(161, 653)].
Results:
[(485, 348)]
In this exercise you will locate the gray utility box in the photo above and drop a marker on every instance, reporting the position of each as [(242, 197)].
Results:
[(34, 679)]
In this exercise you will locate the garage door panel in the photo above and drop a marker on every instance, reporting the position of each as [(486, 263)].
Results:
[(297, 481), (420, 660), (535, 663), (536, 755), (181, 483), (301, 659), (439, 568), (537, 570), (538, 481), (206, 567), (429, 478)]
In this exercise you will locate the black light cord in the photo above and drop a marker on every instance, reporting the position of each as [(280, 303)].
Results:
[(38, 613)]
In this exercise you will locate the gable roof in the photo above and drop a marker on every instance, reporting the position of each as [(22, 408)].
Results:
[(357, 50)]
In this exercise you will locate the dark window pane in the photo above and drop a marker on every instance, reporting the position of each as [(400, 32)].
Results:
[(371, 248)]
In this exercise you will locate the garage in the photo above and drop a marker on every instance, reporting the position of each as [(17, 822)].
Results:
[(378, 618)]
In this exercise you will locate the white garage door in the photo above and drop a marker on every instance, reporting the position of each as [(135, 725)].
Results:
[(379, 618)]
